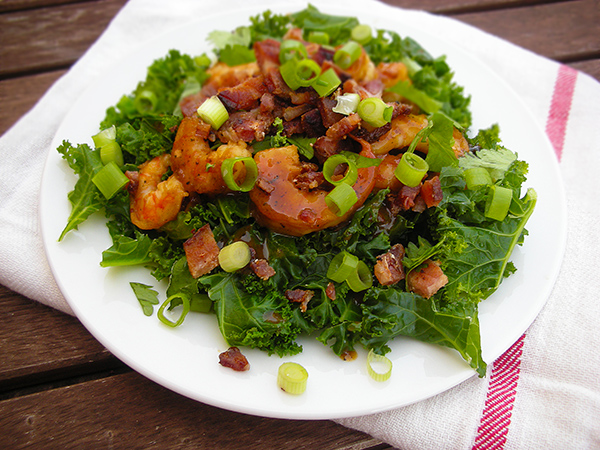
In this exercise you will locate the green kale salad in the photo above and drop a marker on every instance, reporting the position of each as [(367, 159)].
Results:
[(332, 190)]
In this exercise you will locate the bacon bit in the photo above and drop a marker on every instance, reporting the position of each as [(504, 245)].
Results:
[(431, 191), (330, 291), (389, 269), (344, 126), (312, 124), (310, 177), (299, 296), (404, 199), (234, 359), (202, 252), (329, 117), (427, 279), (262, 269), (245, 95)]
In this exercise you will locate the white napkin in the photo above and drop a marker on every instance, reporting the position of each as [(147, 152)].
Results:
[(544, 392)]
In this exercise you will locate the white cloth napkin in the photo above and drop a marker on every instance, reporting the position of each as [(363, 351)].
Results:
[(543, 393)]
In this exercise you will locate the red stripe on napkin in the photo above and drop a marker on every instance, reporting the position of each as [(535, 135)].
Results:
[(560, 107), (497, 411)]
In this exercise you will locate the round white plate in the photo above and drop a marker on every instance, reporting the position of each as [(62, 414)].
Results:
[(185, 359)]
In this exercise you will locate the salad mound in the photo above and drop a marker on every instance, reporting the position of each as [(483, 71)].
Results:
[(313, 177)]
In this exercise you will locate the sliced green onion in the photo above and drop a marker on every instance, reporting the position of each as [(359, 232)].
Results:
[(332, 163), (145, 101), (341, 199), (227, 172), (105, 136), (361, 161), (477, 176), (347, 103), (318, 37), (361, 34), (379, 367), (361, 278), (347, 55), (342, 266), (411, 170), (110, 179), (327, 82), (170, 303), (111, 151), (292, 49), (213, 112), (292, 378), (498, 202), (234, 256), (375, 111), (298, 74)]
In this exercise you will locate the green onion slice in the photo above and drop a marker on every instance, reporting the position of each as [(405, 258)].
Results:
[(145, 101), (170, 303), (347, 103), (341, 199), (342, 266), (234, 256), (318, 37), (298, 74), (292, 378), (362, 162), (375, 111), (110, 179), (326, 83), (333, 162), (498, 202), (105, 136), (477, 176), (411, 170), (379, 367), (111, 151), (361, 278), (213, 112), (347, 55), (291, 49), (227, 172), (361, 34)]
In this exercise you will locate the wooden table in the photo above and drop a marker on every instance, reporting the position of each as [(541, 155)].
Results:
[(59, 387)]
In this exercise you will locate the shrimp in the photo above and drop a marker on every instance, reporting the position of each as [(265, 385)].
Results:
[(279, 204), (405, 128), (195, 164), (153, 202)]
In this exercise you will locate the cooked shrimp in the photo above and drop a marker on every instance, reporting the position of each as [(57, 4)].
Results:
[(282, 206), (153, 202), (195, 164), (404, 130)]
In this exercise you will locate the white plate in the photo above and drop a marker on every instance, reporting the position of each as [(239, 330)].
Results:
[(186, 359)]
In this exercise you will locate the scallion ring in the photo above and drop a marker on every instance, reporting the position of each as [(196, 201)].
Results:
[(361, 34), (326, 83), (111, 151), (341, 266), (110, 179), (292, 378), (145, 101), (375, 111), (477, 176), (229, 175), (347, 55), (298, 74), (318, 37), (170, 303), (379, 367), (411, 170), (341, 199), (105, 136), (291, 49), (360, 279), (213, 112), (347, 103), (234, 256), (332, 163), (498, 202)]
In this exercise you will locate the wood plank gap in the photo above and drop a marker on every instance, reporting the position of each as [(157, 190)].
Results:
[(467, 9), (77, 375)]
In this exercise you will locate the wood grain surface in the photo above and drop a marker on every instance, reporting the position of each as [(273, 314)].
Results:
[(59, 387)]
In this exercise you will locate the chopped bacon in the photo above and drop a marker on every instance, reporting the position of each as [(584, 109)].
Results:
[(202, 252), (328, 116), (404, 199), (293, 112), (299, 296), (244, 95), (261, 268), (245, 126), (312, 124), (234, 359), (310, 177), (389, 269), (267, 54), (344, 126), (426, 279), (324, 147), (330, 291), (431, 191)]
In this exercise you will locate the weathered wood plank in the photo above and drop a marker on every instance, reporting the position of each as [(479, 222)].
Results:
[(16, 5), (461, 6), (39, 344), (51, 38), (591, 67), (129, 411)]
